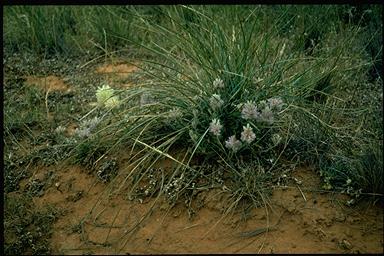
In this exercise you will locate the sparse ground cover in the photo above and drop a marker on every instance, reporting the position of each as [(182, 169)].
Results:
[(196, 133)]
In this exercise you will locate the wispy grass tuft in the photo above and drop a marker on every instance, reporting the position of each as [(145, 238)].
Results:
[(227, 90)]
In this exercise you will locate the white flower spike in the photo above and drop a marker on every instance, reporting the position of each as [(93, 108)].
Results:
[(103, 94), (215, 127), (249, 111), (218, 83), (233, 143), (247, 135)]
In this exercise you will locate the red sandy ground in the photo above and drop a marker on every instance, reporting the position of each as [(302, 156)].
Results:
[(311, 222)]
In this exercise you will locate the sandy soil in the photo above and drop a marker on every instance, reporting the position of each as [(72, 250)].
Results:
[(308, 222), (117, 74), (49, 83)]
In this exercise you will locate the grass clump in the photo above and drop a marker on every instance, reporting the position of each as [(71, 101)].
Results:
[(229, 84), (236, 92)]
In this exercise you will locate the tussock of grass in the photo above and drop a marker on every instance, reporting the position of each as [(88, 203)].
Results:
[(208, 68)]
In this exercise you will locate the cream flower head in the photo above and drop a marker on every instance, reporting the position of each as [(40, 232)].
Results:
[(215, 127), (247, 135), (112, 102), (233, 143), (103, 94), (218, 83), (249, 111)]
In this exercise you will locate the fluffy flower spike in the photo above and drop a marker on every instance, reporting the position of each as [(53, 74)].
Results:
[(103, 94), (233, 143), (247, 135), (215, 127), (218, 83)]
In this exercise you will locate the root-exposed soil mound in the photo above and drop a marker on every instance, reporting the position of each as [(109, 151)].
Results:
[(301, 221)]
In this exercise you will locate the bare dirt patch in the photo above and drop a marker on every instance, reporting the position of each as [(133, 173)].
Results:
[(49, 83), (308, 221), (117, 73), (121, 69)]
